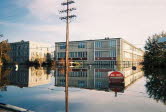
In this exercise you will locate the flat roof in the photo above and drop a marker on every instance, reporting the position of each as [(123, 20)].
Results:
[(103, 39), (90, 40), (22, 41)]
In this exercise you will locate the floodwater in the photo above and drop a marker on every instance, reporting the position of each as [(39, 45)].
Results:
[(89, 90)]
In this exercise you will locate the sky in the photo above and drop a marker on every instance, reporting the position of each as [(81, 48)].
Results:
[(38, 20)]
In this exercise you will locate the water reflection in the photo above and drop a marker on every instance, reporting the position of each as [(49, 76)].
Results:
[(156, 84), (3, 78), (85, 84), (96, 78), (24, 77)]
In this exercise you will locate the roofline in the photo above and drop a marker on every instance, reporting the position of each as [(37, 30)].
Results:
[(131, 44), (22, 41), (103, 39), (90, 40)]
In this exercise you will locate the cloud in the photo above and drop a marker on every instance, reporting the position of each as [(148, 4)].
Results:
[(133, 20), (39, 28), (6, 23), (44, 9)]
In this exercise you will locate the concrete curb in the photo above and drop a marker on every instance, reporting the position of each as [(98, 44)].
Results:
[(13, 108)]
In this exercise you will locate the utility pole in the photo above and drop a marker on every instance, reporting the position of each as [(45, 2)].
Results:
[(67, 18)]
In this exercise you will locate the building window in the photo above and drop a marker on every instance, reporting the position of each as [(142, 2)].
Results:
[(61, 55), (81, 45), (84, 54), (102, 54), (98, 44), (79, 54), (113, 43), (71, 54), (113, 53), (62, 46), (98, 53)]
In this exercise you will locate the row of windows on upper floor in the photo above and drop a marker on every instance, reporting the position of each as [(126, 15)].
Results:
[(127, 64), (26, 53), (128, 47), (111, 64), (19, 47), (80, 45), (98, 44), (27, 47), (131, 55), (111, 53), (73, 54)]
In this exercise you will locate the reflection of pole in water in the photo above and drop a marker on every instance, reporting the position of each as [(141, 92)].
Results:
[(66, 90), (116, 93)]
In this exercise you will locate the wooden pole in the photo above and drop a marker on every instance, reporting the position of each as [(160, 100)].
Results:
[(67, 58)]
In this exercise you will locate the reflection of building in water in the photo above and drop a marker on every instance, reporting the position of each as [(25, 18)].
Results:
[(3, 78), (96, 78), (4, 88), (29, 77), (83, 78)]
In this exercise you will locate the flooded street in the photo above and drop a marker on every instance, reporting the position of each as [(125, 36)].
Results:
[(82, 56), (90, 90)]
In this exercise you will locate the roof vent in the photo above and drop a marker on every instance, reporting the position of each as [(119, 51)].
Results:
[(106, 38)]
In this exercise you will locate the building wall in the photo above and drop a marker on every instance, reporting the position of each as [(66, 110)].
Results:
[(130, 55), (38, 51), (28, 51), (19, 52), (94, 51), (102, 51)]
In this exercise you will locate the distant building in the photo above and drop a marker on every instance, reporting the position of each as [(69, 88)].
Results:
[(110, 51), (29, 51), (162, 40)]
